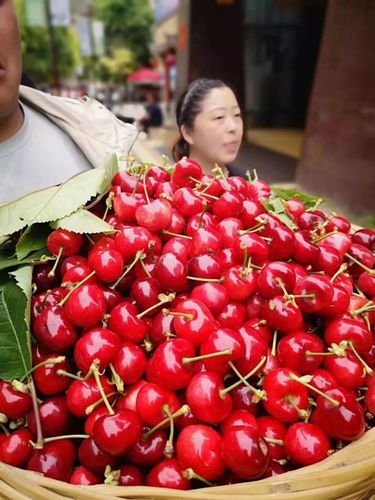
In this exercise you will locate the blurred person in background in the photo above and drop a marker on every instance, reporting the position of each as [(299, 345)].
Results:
[(44, 140), (210, 123), (153, 116)]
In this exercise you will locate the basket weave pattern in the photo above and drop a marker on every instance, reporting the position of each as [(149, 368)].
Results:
[(347, 474)]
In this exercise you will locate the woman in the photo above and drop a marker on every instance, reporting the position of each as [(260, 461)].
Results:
[(210, 123)]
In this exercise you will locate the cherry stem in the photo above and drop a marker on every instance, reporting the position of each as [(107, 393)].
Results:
[(64, 373), (147, 272), (334, 402), (108, 204), (4, 429), (95, 372), (137, 182), (303, 296), (112, 477), (239, 382), (366, 367), (211, 196), (320, 238), (190, 474), (170, 233), (255, 229), (117, 380), (181, 411), (138, 255), (220, 172), (51, 361), (340, 270), (197, 181), (368, 307), (227, 352), (370, 271), (312, 353), (207, 186), (169, 448), (282, 286), (68, 436), (187, 316), (38, 424), (62, 302), (301, 413), (144, 184), (246, 260), (58, 257), (92, 407), (279, 442), (163, 299), (205, 280), (274, 343), (258, 393)]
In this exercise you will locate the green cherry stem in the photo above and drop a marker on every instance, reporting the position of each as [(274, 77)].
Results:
[(77, 285), (138, 255), (239, 382), (190, 474), (334, 402), (163, 299), (368, 370), (370, 271), (257, 392), (181, 411), (227, 352), (38, 424), (95, 372), (51, 361), (58, 257)]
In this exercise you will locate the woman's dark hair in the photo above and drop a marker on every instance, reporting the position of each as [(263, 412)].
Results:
[(188, 107)]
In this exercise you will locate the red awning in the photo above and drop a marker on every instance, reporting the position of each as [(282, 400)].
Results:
[(144, 75)]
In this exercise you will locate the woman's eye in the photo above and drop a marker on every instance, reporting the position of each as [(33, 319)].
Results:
[(219, 117)]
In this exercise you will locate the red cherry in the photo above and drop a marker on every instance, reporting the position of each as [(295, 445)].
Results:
[(199, 447), (171, 272), (168, 474), (46, 378), (125, 322), (365, 237), (130, 476), (168, 366), (125, 205), (154, 402), (86, 306), (15, 448), (350, 330), (186, 173), (206, 399), (193, 321), (297, 351), (276, 277), (54, 416), (187, 202), (108, 264), (84, 477), (81, 394), (347, 369), (344, 422), (117, 433), (221, 340), (94, 459), (55, 460), (238, 418), (214, 295), (240, 282), (54, 330), (155, 215), (306, 444), (148, 450), (228, 205), (286, 399), (97, 344), (206, 266), (130, 240), (245, 452), (273, 431), (130, 362), (282, 314), (64, 242), (13, 403)]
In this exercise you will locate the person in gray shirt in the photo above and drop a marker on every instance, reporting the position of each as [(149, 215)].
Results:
[(44, 139)]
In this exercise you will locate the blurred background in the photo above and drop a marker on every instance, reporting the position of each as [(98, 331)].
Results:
[(303, 71)]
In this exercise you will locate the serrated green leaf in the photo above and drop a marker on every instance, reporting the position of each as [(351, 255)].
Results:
[(285, 219), (290, 193), (9, 259), (15, 298), (57, 202), (83, 221), (34, 238), (275, 204)]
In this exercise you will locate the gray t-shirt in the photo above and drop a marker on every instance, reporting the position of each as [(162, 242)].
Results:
[(40, 155)]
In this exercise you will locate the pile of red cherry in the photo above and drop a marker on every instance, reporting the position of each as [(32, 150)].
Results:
[(208, 339)]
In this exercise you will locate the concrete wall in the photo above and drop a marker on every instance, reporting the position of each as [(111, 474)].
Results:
[(338, 158)]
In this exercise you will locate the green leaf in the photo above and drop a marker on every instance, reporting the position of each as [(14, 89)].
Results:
[(34, 238), (57, 202), (83, 221), (9, 259), (285, 219), (290, 193), (276, 205), (15, 299)]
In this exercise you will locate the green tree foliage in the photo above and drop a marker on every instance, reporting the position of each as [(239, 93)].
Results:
[(128, 25), (36, 52)]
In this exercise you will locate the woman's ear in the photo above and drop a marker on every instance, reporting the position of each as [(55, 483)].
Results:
[(185, 132)]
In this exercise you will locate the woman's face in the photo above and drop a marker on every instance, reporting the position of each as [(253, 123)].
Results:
[(217, 130)]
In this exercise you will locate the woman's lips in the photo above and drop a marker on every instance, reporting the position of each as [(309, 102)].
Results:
[(231, 146)]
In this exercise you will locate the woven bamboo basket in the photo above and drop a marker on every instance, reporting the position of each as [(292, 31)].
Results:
[(347, 474)]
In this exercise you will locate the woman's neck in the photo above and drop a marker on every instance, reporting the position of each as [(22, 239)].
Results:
[(10, 124)]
